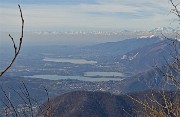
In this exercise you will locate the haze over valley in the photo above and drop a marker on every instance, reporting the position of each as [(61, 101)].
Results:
[(102, 58)]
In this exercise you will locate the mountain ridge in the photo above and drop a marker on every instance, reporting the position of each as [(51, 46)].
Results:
[(102, 104)]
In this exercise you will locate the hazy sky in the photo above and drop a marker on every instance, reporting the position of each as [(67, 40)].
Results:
[(59, 15)]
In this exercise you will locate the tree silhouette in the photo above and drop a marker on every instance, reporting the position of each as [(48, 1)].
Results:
[(17, 48)]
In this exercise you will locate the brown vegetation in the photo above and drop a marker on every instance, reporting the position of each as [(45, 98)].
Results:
[(102, 104)]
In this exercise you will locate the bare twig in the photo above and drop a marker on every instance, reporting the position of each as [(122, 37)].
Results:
[(11, 106), (16, 48), (175, 10), (29, 99)]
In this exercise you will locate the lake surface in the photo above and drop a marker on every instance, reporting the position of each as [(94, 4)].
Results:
[(57, 77), (69, 60), (103, 74)]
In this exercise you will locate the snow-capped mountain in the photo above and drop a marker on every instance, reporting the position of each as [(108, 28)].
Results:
[(118, 32), (163, 30), (142, 37)]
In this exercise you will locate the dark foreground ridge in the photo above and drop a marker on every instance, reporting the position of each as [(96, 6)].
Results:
[(102, 104)]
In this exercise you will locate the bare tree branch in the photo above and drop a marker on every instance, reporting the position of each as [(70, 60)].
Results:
[(16, 48), (175, 10)]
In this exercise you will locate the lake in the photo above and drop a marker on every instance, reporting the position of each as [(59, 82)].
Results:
[(103, 74), (57, 77), (69, 60)]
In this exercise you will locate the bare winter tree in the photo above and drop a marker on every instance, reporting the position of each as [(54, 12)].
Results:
[(166, 104), (17, 48), (171, 71), (10, 108)]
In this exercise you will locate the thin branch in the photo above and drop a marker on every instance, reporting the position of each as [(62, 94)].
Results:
[(16, 49), (29, 99), (10, 103), (175, 10)]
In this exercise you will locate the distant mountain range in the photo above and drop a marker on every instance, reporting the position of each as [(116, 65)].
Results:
[(163, 30), (145, 57), (136, 55), (157, 30), (113, 49)]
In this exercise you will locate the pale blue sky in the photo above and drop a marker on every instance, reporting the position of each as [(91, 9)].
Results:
[(58, 15)]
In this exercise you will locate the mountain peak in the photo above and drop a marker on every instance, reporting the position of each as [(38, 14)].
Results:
[(163, 29), (147, 37)]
